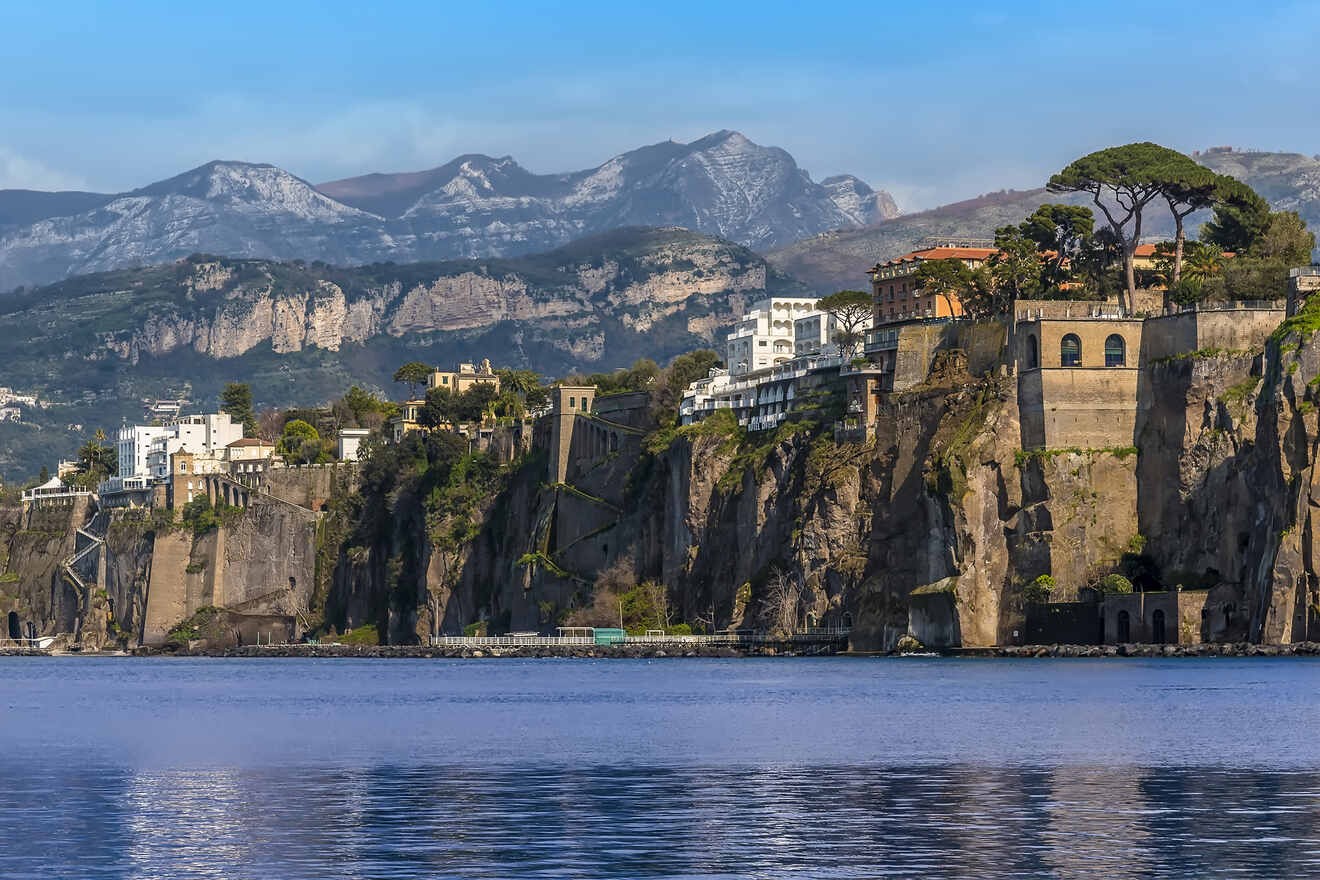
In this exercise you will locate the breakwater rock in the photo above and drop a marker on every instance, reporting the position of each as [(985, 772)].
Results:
[(1227, 649)]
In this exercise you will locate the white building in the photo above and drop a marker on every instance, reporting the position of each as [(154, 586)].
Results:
[(764, 336), (814, 334), (781, 357), (762, 399), (145, 450), (350, 442), (134, 446)]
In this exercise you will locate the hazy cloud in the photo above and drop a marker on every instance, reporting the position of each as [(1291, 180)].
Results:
[(20, 172)]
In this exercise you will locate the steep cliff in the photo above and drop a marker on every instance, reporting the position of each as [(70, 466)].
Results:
[(152, 573), (933, 526)]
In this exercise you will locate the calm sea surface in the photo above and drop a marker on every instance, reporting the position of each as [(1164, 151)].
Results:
[(667, 768)]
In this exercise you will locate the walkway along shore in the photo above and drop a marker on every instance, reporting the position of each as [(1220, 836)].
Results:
[(635, 652)]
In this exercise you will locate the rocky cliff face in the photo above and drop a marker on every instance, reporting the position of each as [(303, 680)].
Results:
[(473, 207), (931, 527), (303, 333), (150, 575)]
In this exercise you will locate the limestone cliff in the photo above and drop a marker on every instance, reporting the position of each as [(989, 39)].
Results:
[(932, 526), (95, 346), (151, 573)]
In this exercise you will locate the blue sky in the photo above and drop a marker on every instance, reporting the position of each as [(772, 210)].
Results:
[(932, 101)]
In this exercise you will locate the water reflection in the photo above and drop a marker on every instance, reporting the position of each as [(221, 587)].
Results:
[(608, 821)]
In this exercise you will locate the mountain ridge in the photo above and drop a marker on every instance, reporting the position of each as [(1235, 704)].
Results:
[(473, 206), (93, 346), (838, 259)]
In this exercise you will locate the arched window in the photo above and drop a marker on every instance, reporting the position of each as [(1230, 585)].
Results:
[(1124, 628), (1070, 351), (1115, 351), (1033, 352)]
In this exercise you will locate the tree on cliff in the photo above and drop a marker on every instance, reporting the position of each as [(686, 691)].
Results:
[(851, 310), (445, 407), (236, 400), (1122, 181), (1187, 187), (1240, 219), (300, 443), (97, 460), (1015, 268), (946, 279), (520, 382), (674, 380), (1061, 232), (413, 374), (1286, 239)]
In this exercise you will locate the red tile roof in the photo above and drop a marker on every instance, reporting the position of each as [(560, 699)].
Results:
[(250, 441)]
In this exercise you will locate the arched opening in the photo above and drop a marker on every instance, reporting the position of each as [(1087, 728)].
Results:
[(1229, 609), (1033, 352), (1157, 627), (1115, 351), (1124, 629), (847, 620), (1102, 630), (1070, 351), (15, 629)]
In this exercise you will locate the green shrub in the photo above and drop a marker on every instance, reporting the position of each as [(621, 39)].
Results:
[(363, 635), (1115, 583), (193, 627), (1039, 589)]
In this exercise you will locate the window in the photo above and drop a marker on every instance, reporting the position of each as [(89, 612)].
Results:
[(761, 343), (1033, 352), (1070, 351), (1115, 351), (444, 380), (572, 402)]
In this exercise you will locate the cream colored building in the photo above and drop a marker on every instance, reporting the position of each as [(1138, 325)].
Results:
[(465, 377), (405, 421)]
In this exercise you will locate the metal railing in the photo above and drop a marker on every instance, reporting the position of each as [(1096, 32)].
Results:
[(810, 635)]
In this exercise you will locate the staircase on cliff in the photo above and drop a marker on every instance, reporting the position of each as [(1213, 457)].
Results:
[(83, 567)]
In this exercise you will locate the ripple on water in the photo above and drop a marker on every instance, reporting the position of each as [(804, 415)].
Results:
[(808, 769)]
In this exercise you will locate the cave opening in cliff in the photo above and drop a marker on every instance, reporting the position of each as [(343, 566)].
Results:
[(15, 628)]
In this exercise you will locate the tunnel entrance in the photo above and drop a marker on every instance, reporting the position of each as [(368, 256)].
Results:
[(15, 628)]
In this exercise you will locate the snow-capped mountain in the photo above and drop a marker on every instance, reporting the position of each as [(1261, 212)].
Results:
[(221, 207), (722, 184), (474, 206)]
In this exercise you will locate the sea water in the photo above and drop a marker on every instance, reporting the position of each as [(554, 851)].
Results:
[(831, 768)]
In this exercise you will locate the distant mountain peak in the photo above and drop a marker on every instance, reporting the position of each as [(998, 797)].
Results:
[(474, 206)]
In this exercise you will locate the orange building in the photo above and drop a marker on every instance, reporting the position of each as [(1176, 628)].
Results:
[(895, 295)]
